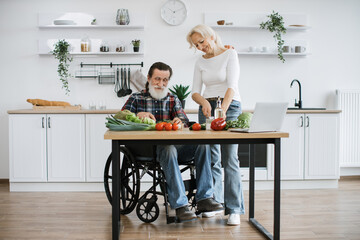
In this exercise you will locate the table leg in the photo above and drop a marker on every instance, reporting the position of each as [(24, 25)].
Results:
[(115, 189), (252, 220), (277, 190), (251, 181)]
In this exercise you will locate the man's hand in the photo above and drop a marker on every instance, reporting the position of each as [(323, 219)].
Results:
[(177, 121), (142, 115)]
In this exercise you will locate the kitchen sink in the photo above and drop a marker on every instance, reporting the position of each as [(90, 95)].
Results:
[(293, 108)]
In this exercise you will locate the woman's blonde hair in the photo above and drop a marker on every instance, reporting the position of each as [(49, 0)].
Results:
[(206, 32)]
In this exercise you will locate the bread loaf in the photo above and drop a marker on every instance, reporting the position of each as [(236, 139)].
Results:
[(41, 102)]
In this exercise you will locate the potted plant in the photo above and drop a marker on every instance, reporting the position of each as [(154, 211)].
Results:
[(61, 52), (93, 22), (136, 44), (275, 24), (181, 92)]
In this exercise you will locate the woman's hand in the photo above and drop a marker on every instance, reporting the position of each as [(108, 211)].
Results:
[(224, 112), (206, 108), (141, 115), (229, 47)]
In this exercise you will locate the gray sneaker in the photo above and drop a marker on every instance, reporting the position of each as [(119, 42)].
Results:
[(183, 214), (209, 205)]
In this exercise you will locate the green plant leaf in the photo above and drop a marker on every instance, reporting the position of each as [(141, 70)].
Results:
[(276, 24), (180, 91), (61, 52)]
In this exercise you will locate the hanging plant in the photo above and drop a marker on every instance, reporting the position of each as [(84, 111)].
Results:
[(275, 24), (61, 52)]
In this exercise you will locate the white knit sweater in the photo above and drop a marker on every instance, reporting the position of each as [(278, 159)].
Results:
[(217, 74)]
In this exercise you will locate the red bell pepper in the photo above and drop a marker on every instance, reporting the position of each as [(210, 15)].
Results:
[(218, 124)]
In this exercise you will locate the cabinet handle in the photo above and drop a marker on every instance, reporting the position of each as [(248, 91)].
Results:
[(307, 121), (42, 122), (302, 121), (49, 126)]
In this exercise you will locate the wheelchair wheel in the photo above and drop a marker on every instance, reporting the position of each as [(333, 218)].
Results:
[(147, 210), (130, 182)]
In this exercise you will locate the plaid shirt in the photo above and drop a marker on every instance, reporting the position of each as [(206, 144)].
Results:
[(166, 108)]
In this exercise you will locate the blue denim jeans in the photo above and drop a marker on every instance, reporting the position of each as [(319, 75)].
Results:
[(170, 156), (226, 155)]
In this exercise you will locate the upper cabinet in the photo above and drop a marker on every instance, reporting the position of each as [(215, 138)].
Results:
[(242, 30), (101, 29)]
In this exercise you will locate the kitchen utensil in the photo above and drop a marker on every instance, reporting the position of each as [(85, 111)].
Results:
[(125, 83), (117, 83), (129, 91), (122, 91)]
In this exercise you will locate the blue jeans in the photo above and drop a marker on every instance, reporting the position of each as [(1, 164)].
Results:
[(170, 156), (228, 158)]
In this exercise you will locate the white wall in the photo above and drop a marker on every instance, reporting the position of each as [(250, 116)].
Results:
[(334, 64)]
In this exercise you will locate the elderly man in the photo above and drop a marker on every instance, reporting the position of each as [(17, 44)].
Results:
[(158, 104)]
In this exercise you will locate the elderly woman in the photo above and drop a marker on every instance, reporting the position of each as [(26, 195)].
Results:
[(218, 70)]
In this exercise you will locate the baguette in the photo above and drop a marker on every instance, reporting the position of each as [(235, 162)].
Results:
[(41, 102)]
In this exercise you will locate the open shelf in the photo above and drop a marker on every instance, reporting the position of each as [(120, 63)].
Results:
[(272, 54), (98, 53), (234, 27), (125, 27)]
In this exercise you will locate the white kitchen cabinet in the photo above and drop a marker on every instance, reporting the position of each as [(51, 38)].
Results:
[(27, 143), (292, 148), (97, 149), (321, 146), (311, 151), (47, 147), (66, 147)]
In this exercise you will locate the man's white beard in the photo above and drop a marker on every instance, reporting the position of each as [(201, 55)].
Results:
[(156, 93)]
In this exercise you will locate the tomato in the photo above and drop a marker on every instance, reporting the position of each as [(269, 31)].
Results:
[(168, 126), (218, 124), (175, 127), (196, 127), (159, 126)]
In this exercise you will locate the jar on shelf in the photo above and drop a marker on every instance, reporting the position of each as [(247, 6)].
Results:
[(85, 44), (120, 47), (104, 47)]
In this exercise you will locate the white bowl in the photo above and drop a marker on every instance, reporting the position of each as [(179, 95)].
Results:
[(64, 22)]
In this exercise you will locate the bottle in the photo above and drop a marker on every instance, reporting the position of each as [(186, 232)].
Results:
[(218, 113), (85, 44)]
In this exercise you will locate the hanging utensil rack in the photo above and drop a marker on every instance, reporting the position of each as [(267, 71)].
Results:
[(91, 69), (111, 64)]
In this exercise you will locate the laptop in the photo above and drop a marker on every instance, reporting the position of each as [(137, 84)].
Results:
[(267, 117)]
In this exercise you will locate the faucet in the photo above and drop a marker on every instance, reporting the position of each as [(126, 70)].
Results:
[(299, 103)]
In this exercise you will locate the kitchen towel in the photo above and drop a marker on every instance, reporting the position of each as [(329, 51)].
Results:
[(139, 80)]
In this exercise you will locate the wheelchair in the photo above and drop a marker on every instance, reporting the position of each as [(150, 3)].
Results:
[(134, 166)]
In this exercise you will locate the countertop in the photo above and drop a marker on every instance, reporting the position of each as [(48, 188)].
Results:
[(113, 111)]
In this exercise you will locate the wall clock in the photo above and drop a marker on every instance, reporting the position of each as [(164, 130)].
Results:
[(174, 12)]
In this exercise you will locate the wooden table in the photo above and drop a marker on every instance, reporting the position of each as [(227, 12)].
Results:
[(199, 137)]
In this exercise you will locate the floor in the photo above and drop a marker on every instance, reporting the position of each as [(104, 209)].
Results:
[(330, 214)]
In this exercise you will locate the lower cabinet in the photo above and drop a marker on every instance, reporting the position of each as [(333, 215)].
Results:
[(70, 148), (97, 149), (47, 147), (312, 150)]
